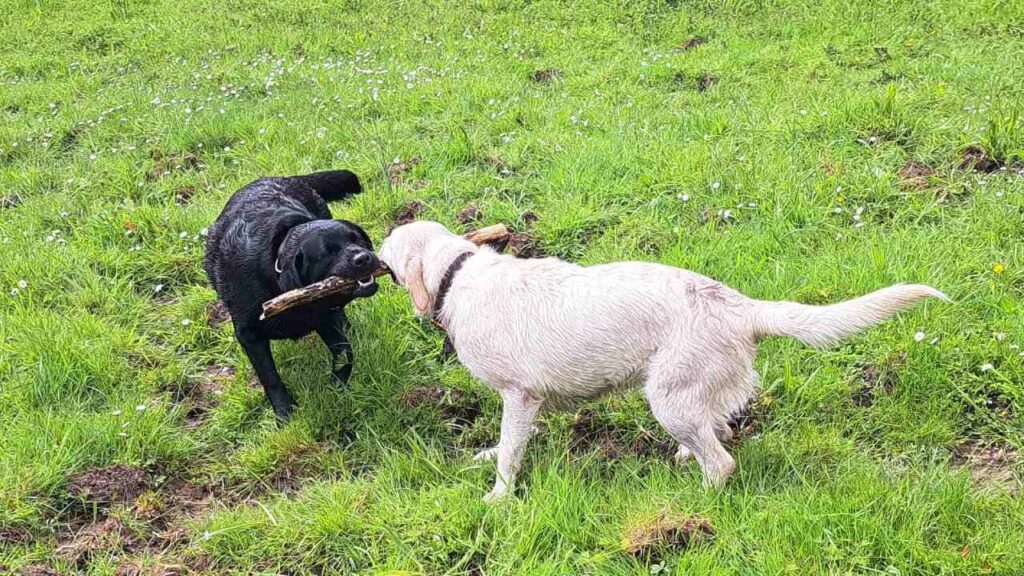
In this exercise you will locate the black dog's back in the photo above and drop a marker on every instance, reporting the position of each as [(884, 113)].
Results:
[(270, 206)]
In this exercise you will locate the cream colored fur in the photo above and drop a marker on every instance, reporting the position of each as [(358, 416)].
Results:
[(546, 334)]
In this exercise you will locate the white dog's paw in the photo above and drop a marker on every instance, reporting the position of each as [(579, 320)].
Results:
[(486, 455), (495, 496), (683, 455)]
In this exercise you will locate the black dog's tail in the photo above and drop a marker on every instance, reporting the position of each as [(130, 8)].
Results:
[(332, 184)]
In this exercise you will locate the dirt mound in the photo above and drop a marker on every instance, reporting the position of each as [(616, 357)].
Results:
[(590, 432), (664, 534), (451, 405), (217, 314), (110, 534), (974, 158), (397, 170), (110, 484), (691, 44), (914, 175), (990, 465), (545, 75), (469, 215)]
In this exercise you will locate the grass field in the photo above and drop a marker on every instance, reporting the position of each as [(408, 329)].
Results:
[(809, 150)]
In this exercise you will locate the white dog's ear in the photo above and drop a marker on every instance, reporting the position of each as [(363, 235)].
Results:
[(417, 289)]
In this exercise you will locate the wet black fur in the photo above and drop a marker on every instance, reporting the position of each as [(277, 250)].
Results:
[(285, 220)]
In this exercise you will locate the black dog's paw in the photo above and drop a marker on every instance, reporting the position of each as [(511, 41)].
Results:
[(341, 373), (447, 349), (283, 413)]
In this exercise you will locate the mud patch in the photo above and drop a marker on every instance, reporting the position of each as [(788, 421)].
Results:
[(914, 175), (14, 536), (690, 44), (184, 195), (974, 158), (529, 218), (203, 393), (590, 432), (523, 245), (706, 82), (135, 569), (9, 201), (397, 170), (990, 466), (749, 421), (503, 169), (651, 541), (108, 485), (877, 379), (164, 164), (108, 535), (38, 570), (217, 314), (451, 405), (408, 213), (546, 75), (469, 215)]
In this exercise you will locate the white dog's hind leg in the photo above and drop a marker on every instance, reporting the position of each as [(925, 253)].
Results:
[(677, 403), (517, 415)]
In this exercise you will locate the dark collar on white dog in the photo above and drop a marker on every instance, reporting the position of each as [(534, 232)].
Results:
[(446, 284)]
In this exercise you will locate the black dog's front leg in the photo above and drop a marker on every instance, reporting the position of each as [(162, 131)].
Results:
[(257, 348), (333, 331)]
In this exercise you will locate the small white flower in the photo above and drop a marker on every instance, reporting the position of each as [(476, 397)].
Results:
[(803, 112), (22, 284), (987, 366), (140, 407), (13, 292), (838, 210), (116, 412), (204, 232), (999, 336), (158, 287), (183, 235), (186, 322), (262, 130), (684, 197), (716, 185), (919, 337)]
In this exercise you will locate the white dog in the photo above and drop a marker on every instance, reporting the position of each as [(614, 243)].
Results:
[(546, 334)]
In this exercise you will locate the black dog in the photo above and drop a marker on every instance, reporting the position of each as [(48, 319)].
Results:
[(275, 235)]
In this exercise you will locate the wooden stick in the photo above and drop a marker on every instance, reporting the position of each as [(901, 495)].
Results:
[(335, 285)]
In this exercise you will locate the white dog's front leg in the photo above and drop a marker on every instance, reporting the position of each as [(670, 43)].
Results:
[(517, 415)]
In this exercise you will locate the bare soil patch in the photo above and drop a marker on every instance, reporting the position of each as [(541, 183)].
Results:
[(111, 484), (589, 432), (877, 379), (397, 170), (165, 163), (706, 81), (469, 215), (451, 405), (974, 158), (546, 75), (217, 314), (690, 44), (8, 201), (667, 533), (914, 175), (990, 465)]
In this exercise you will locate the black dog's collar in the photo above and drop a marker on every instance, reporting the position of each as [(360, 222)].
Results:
[(446, 284)]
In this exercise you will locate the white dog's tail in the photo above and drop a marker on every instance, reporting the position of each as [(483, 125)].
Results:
[(823, 326)]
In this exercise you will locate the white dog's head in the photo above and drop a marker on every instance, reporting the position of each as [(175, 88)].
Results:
[(418, 255)]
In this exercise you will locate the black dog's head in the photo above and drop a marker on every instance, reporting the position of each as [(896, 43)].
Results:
[(316, 250)]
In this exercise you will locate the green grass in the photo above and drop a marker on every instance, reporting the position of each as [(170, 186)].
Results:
[(809, 110)]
